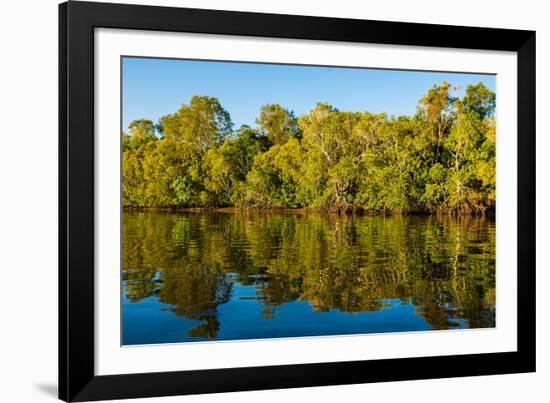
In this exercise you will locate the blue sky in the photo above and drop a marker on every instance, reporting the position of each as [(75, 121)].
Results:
[(156, 87)]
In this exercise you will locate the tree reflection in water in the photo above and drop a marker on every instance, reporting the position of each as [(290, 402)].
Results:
[(444, 266)]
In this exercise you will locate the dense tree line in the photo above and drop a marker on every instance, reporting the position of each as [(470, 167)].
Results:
[(442, 159)]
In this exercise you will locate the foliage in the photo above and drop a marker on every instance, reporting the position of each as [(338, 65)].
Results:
[(440, 160), (277, 124)]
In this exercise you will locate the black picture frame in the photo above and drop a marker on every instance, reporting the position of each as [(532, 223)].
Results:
[(77, 379)]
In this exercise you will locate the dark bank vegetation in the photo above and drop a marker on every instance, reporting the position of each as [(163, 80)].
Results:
[(441, 160)]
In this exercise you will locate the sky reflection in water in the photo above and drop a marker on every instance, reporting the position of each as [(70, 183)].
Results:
[(250, 275)]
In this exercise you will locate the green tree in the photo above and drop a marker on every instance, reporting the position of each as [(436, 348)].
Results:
[(316, 129), (140, 132), (225, 167), (436, 108), (201, 124), (277, 124), (480, 100), (274, 178)]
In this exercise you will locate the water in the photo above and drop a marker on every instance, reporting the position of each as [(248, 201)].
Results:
[(248, 275)]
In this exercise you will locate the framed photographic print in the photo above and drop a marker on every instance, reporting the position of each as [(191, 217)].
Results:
[(259, 201)]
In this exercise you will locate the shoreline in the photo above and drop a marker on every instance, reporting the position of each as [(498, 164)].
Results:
[(490, 213)]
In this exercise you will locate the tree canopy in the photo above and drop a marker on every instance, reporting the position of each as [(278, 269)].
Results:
[(440, 160)]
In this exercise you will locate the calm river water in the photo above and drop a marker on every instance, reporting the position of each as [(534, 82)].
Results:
[(248, 275)]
